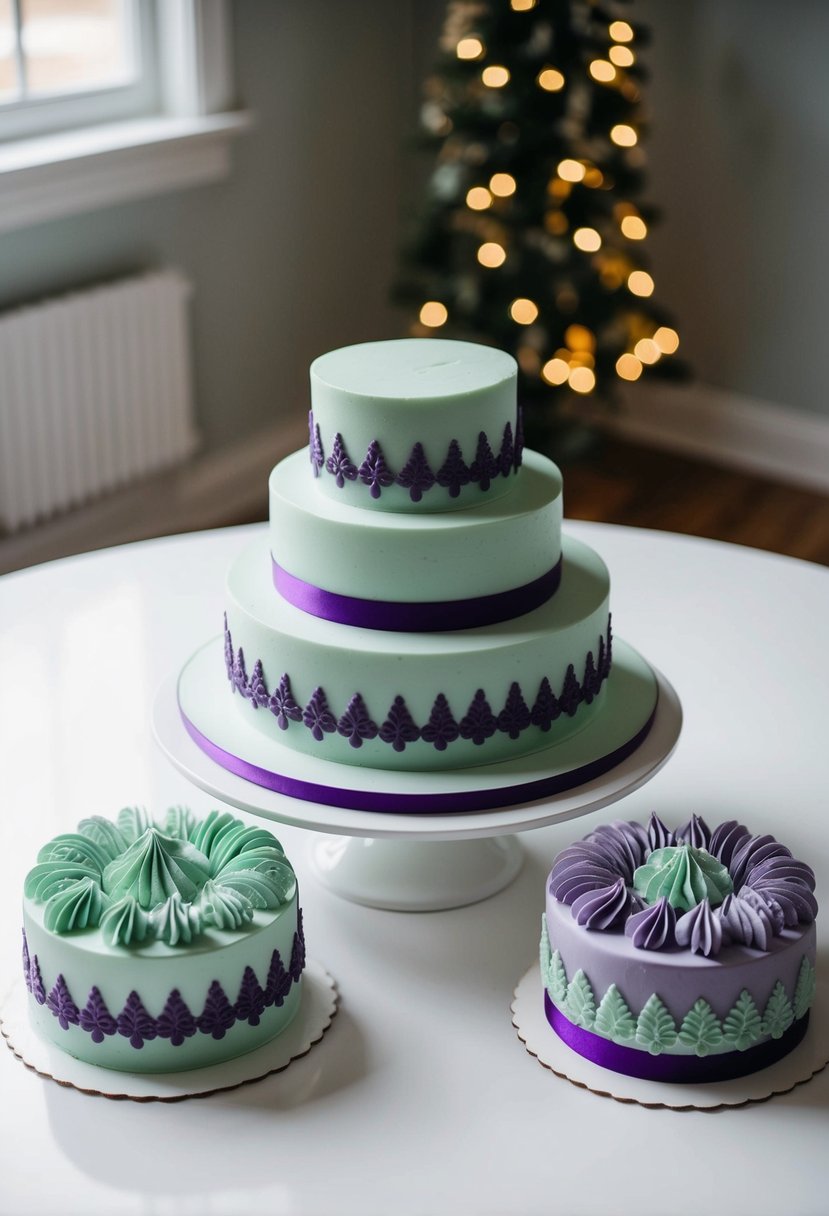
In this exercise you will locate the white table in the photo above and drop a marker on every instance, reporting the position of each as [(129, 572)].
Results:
[(420, 1099)]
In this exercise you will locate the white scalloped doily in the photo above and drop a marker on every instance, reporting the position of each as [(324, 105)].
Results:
[(808, 1058), (317, 1008)]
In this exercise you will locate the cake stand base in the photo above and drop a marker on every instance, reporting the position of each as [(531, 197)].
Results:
[(415, 875)]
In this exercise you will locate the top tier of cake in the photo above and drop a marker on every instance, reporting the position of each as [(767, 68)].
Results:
[(420, 424)]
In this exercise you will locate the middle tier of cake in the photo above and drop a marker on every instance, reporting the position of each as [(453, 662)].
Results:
[(418, 701)]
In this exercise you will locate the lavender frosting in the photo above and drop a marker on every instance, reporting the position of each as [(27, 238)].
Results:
[(654, 927)]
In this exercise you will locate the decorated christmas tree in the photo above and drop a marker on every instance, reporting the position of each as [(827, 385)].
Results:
[(533, 233)]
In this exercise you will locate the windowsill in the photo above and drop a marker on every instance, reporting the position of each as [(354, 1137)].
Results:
[(75, 171)]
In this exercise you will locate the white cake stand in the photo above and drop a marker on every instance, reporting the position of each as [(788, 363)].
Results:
[(408, 862)]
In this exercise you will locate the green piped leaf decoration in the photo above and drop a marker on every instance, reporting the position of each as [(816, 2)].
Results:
[(613, 1018), (133, 821), (655, 1029), (104, 833), (557, 986), (778, 1014), (179, 822), (580, 1005), (544, 954), (701, 1029), (743, 1025), (804, 992)]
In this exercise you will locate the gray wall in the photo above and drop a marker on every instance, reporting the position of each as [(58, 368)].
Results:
[(739, 159)]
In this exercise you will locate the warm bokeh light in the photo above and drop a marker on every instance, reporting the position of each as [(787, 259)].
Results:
[(529, 360), (492, 254), (620, 31), (478, 198), (666, 339), (523, 311), (570, 170), (634, 228), (502, 184), (433, 314), (602, 71), (593, 177), (495, 76), (556, 223), (551, 79), (579, 337), (623, 135), (621, 56), (582, 380), (640, 283), (628, 367), (647, 351), (523, 6), (556, 371), (587, 239), (469, 48)]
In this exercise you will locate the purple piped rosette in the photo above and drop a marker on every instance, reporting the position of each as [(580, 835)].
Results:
[(771, 890)]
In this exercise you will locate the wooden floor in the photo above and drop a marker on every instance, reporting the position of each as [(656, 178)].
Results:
[(622, 483)]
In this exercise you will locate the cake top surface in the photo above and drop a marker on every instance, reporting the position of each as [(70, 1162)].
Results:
[(137, 880), (413, 369)]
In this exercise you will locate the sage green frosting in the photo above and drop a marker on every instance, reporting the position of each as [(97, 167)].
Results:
[(223, 907), (78, 906), (683, 875), (125, 923), (155, 867), (175, 921)]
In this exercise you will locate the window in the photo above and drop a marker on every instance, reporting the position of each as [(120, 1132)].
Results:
[(72, 63)]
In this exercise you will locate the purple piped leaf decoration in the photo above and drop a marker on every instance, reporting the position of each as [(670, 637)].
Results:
[(416, 476), (696, 833), (258, 690), (38, 991), (571, 697), (726, 838), (653, 928), (659, 836), (608, 654), (176, 1022), (374, 471), (478, 724), (399, 727), (217, 1017), (546, 707), (297, 963), (453, 474), (518, 457), (135, 1023), (591, 683), (339, 464), (441, 729), (318, 717), (278, 983), (603, 909), (515, 716), (355, 723), (27, 963), (700, 930), (250, 1003), (315, 452), (95, 1017), (601, 663), (228, 651), (240, 675), (61, 1004), (484, 467), (506, 457), (282, 704)]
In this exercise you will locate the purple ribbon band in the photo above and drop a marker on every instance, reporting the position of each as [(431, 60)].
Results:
[(431, 616), (374, 800), (677, 1069)]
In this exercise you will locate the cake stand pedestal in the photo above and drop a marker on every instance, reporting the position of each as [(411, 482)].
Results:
[(414, 862)]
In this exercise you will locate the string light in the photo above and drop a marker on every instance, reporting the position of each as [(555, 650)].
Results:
[(582, 380), (628, 367), (571, 170), (502, 184), (602, 71), (621, 56), (469, 48), (551, 80), (579, 337), (647, 351), (495, 76), (667, 340), (634, 228), (478, 198), (523, 311), (522, 6), (620, 31), (640, 283), (433, 314), (623, 135), (587, 239), (556, 371), (492, 254)]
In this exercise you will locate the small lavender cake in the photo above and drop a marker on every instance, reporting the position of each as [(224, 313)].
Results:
[(679, 956), (160, 947)]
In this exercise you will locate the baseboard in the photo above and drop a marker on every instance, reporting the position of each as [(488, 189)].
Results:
[(728, 429), (209, 491)]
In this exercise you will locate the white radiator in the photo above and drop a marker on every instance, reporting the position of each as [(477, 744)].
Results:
[(95, 391)]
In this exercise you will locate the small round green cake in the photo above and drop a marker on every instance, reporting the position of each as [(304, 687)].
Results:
[(160, 947)]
